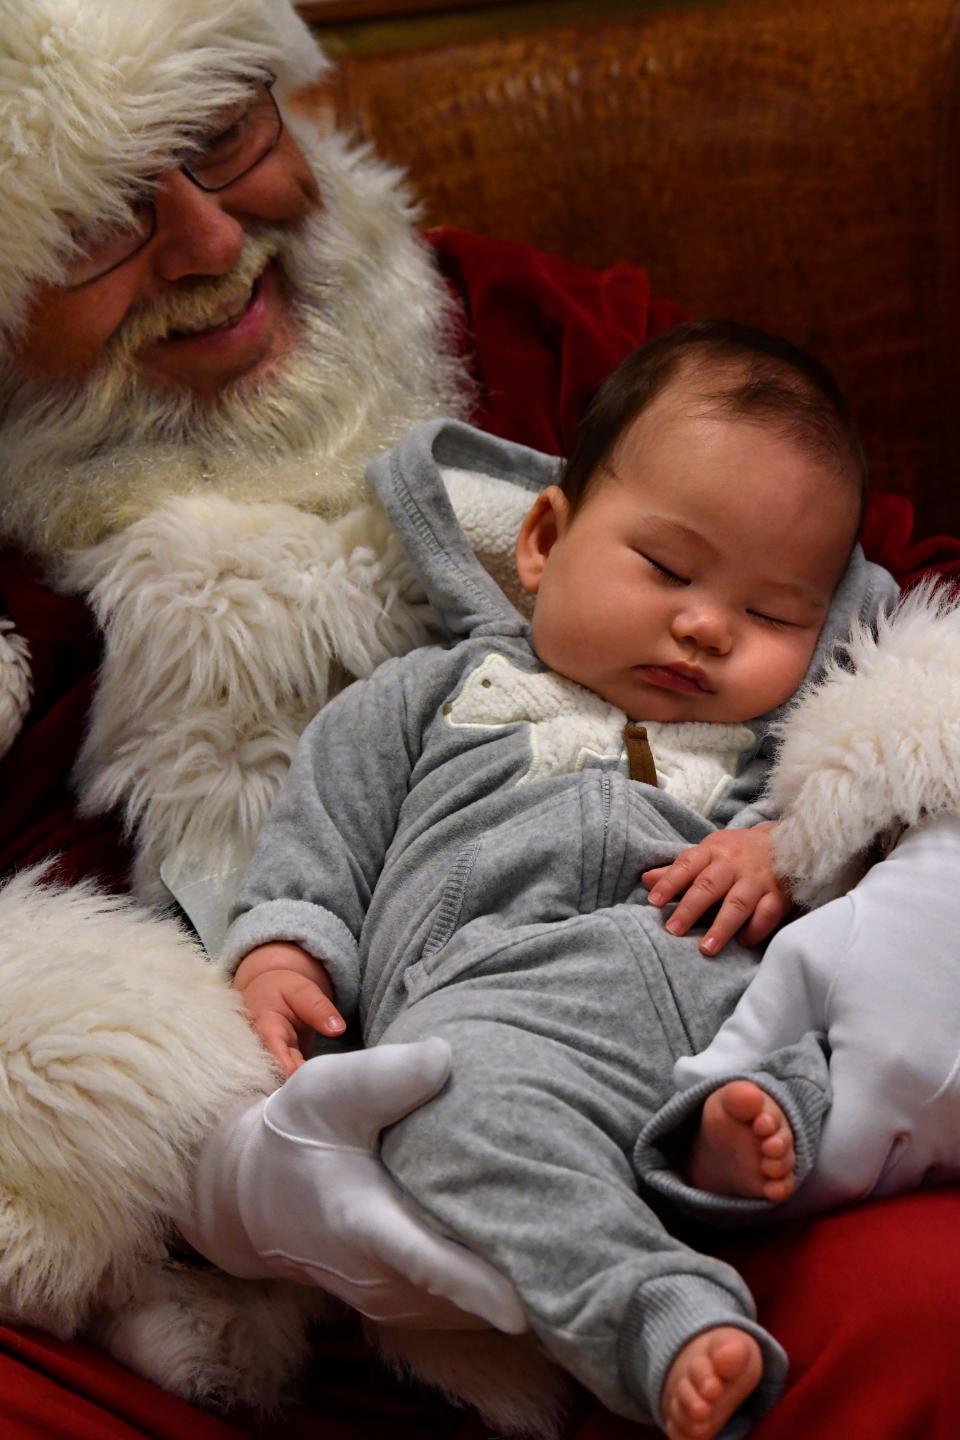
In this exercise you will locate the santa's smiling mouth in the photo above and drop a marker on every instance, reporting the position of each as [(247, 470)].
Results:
[(227, 337), (232, 315)]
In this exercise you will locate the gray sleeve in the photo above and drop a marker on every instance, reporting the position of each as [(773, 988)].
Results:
[(759, 813), (321, 851), (746, 803)]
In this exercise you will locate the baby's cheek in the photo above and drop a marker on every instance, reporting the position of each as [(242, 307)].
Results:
[(788, 668)]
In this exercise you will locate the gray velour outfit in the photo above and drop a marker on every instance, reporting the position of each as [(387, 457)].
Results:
[(460, 842)]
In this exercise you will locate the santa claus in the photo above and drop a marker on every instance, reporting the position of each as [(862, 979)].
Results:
[(212, 316), (212, 319)]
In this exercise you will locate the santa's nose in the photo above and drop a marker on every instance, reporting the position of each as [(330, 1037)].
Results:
[(196, 234)]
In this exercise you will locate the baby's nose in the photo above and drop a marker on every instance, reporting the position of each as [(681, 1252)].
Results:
[(707, 626)]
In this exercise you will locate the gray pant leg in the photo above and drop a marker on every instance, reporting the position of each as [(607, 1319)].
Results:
[(775, 1038), (797, 1077), (563, 1038)]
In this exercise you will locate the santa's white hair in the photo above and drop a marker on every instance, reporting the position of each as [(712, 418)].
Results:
[(90, 90)]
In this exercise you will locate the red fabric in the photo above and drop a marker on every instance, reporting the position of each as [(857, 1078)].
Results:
[(57, 1390), (544, 333), (866, 1303), (52, 1390), (888, 538), (37, 818)]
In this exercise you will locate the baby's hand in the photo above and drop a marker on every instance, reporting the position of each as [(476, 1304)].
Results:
[(287, 995), (734, 867)]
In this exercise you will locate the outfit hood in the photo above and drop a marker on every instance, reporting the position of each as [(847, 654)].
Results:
[(97, 95), (424, 484)]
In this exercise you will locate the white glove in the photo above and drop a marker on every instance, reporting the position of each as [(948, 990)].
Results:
[(291, 1187)]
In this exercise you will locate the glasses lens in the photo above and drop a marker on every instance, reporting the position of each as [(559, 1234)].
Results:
[(239, 139), (101, 250)]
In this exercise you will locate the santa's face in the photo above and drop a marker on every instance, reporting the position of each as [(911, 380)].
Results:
[(340, 342), (185, 279)]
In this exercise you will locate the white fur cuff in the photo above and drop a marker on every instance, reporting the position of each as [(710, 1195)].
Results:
[(120, 1048), (872, 748)]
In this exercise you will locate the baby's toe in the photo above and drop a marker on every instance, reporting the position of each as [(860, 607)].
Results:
[(776, 1169), (776, 1191), (776, 1145), (704, 1378), (692, 1403), (765, 1124)]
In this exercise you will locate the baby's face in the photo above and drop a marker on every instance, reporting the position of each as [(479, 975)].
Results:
[(693, 582)]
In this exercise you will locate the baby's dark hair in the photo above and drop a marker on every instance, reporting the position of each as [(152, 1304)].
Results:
[(747, 374)]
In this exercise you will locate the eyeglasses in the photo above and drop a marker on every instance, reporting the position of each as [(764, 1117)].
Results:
[(240, 139)]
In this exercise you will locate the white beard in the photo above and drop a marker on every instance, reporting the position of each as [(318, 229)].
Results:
[(229, 615), (374, 357)]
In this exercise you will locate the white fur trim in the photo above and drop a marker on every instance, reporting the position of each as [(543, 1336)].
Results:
[(120, 1048), (215, 1340), (16, 684), (872, 748), (227, 627), (490, 512), (96, 94), (507, 1379)]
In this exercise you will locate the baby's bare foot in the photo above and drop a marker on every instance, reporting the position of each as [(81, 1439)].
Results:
[(711, 1376), (744, 1145)]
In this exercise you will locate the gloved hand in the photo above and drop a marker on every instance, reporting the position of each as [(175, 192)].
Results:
[(291, 1187)]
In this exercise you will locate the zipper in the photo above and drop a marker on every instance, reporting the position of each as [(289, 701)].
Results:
[(606, 801)]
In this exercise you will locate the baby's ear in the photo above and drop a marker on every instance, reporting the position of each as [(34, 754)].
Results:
[(545, 522)]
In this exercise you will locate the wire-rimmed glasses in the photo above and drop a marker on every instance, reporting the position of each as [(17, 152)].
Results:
[(241, 138)]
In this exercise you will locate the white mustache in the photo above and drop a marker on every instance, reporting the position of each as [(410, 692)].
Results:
[(202, 308)]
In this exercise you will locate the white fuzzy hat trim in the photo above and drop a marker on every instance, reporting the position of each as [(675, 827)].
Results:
[(95, 95)]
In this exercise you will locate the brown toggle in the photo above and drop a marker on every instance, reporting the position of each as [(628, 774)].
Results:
[(639, 754)]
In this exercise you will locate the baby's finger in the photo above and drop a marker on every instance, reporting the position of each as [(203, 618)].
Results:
[(771, 908), (312, 1008), (678, 876), (706, 891), (650, 877), (738, 906), (278, 1037)]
